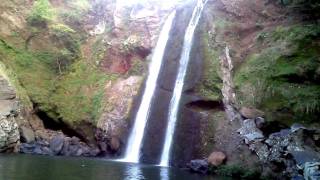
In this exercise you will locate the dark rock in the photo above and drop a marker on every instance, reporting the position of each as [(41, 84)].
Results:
[(38, 150), (301, 157), (27, 148), (47, 151), (72, 150), (27, 134), (56, 144), (282, 133), (74, 140), (65, 150), (295, 127), (94, 152), (260, 122), (199, 166), (250, 132)]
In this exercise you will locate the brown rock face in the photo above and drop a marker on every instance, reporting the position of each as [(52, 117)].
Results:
[(120, 95), (217, 158), (251, 113), (9, 111), (115, 144)]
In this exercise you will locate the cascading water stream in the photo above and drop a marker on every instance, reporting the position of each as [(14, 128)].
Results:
[(132, 153), (183, 66)]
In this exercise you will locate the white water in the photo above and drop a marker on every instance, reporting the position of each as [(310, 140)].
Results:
[(132, 153), (183, 66)]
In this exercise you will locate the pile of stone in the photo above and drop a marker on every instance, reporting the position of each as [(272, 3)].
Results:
[(293, 152), (59, 145)]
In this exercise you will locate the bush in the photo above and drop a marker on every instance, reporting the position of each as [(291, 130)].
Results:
[(41, 13), (284, 77), (237, 172)]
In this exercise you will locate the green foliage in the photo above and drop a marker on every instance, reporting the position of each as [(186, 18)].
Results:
[(13, 79), (65, 38), (236, 171), (74, 96), (61, 30), (285, 75), (211, 82), (75, 12), (42, 12), (99, 49), (78, 94), (33, 73), (130, 44), (138, 67)]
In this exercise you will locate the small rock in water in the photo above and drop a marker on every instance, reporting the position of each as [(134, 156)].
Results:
[(217, 158), (199, 166), (56, 144)]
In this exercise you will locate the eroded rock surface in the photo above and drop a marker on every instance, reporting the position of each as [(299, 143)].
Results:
[(114, 119), (9, 133)]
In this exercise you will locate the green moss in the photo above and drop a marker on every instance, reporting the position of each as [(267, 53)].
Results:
[(13, 79), (61, 29), (74, 96), (78, 94), (138, 67), (284, 76), (34, 74), (211, 82), (99, 49)]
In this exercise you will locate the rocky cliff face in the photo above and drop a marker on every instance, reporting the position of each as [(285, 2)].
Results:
[(9, 114)]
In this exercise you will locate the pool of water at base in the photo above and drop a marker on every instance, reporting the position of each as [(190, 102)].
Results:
[(32, 167)]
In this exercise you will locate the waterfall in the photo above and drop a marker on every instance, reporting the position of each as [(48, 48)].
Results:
[(132, 153), (183, 66)]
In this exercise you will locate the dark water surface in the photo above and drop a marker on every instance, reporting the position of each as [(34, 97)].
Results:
[(30, 167)]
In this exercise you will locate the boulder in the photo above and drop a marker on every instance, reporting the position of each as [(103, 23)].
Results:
[(251, 113), (56, 144), (199, 166), (27, 134), (216, 158)]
